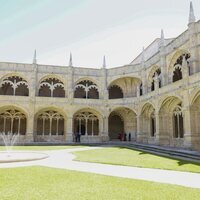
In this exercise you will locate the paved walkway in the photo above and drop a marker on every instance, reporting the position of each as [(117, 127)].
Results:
[(63, 159)]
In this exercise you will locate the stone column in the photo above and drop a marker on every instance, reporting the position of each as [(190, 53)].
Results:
[(193, 48), (105, 134), (188, 137), (157, 136), (29, 137), (139, 131), (138, 90), (164, 75), (69, 132), (144, 84), (105, 87), (70, 84), (156, 82)]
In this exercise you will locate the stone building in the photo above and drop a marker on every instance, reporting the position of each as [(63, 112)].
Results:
[(156, 97)]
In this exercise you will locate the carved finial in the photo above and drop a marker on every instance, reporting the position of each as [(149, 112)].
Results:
[(35, 57), (104, 62), (191, 14), (70, 60), (162, 38)]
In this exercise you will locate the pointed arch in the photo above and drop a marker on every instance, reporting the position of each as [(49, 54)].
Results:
[(122, 121), (86, 122), (175, 67), (51, 86), (14, 85), (13, 120), (148, 122), (86, 89), (154, 72), (50, 125), (124, 87)]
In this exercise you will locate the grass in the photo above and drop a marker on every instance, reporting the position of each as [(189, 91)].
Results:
[(130, 157), (41, 183), (41, 148)]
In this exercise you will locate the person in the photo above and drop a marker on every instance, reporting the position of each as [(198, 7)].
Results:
[(79, 137), (125, 137), (75, 137), (129, 137)]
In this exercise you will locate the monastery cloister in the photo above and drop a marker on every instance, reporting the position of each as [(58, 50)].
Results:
[(155, 98)]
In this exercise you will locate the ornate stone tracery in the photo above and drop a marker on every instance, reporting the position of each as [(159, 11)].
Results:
[(86, 123), (178, 122), (50, 123), (14, 85), (181, 66), (13, 121), (86, 89), (51, 87)]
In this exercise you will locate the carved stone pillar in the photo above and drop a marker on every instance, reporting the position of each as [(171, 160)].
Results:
[(139, 130), (188, 136), (69, 132)]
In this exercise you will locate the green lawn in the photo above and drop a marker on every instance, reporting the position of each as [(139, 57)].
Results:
[(129, 157), (41, 148), (41, 183)]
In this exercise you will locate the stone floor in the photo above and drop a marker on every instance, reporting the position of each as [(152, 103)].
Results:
[(63, 159)]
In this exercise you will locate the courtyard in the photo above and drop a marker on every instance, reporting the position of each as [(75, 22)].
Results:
[(83, 172)]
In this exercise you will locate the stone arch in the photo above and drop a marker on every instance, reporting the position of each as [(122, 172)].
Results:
[(171, 120), (88, 79), (154, 74), (121, 121), (13, 120), (14, 85), (51, 86), (124, 87), (87, 122), (148, 123), (175, 69), (195, 118), (86, 89), (194, 95), (50, 125)]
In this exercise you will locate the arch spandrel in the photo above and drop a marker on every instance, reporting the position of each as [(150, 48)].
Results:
[(169, 103)]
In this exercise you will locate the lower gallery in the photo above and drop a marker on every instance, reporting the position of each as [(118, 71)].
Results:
[(154, 100)]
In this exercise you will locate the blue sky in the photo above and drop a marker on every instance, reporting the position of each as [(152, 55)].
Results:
[(87, 28)]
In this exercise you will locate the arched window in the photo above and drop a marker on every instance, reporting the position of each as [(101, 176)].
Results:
[(153, 124), (177, 72), (156, 75), (14, 85), (13, 121), (115, 92), (86, 123), (51, 87), (50, 123), (178, 122), (86, 90)]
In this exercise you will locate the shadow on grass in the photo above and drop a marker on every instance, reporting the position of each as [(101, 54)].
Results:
[(180, 162)]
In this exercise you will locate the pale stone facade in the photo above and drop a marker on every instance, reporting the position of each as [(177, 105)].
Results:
[(156, 98)]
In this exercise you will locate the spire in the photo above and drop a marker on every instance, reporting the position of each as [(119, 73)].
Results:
[(191, 15), (162, 38), (70, 60), (34, 57), (104, 61)]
